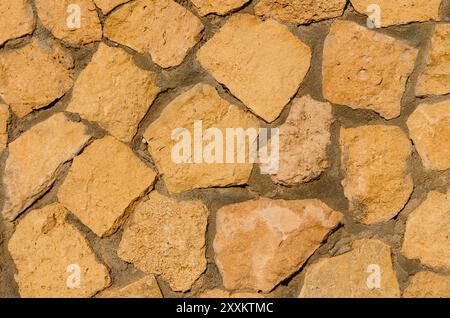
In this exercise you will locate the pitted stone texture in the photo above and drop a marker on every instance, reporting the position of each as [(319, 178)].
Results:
[(108, 5), (353, 274), (16, 19), (435, 80), (400, 11), (366, 69), (33, 76), (377, 180), (114, 92), (300, 11), (146, 287), (429, 128), (49, 253), (202, 102), (428, 285), (262, 63), (166, 237), (304, 138), (260, 243), (4, 117), (427, 234), (56, 16), (219, 293), (162, 28), (103, 183), (221, 7), (35, 159)]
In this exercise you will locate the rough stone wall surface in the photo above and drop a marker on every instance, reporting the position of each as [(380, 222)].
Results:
[(121, 171)]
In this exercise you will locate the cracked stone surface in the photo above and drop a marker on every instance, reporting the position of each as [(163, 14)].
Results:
[(16, 19), (108, 5), (4, 116), (146, 287), (222, 7), (428, 285)]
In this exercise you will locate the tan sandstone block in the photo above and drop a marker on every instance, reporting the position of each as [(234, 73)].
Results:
[(35, 159), (377, 181), (33, 76), (304, 138), (4, 117), (108, 5), (353, 274), (162, 28), (259, 243), (221, 7), (146, 287), (300, 11), (114, 92), (202, 102), (427, 234), (366, 69), (103, 183), (56, 15), (219, 293), (428, 285), (50, 253), (400, 11), (429, 128), (262, 63), (435, 80), (166, 237), (16, 19)]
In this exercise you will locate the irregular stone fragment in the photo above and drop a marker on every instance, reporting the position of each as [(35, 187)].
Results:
[(108, 5), (103, 183), (428, 285), (53, 259), (146, 287), (162, 28), (260, 243), (262, 63), (35, 158), (218, 7), (165, 237), (200, 168), (300, 11), (435, 80), (377, 181), (16, 19), (33, 76), (4, 117), (400, 11), (364, 272), (366, 69), (427, 234), (219, 293), (60, 17), (114, 92), (429, 128), (304, 138)]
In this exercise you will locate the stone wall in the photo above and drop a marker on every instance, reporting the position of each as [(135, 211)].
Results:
[(108, 190)]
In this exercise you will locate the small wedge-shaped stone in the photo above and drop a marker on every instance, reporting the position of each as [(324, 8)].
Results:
[(108, 5), (185, 169), (146, 287), (429, 128), (366, 69), (300, 11), (4, 117), (364, 272), (16, 19), (377, 181), (221, 7), (35, 158), (260, 243), (435, 80), (304, 138), (103, 183), (165, 237), (162, 28), (33, 76), (399, 11), (262, 63), (53, 259), (60, 17), (114, 92), (427, 234), (428, 285)]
